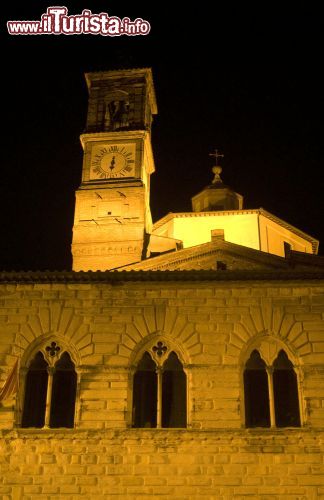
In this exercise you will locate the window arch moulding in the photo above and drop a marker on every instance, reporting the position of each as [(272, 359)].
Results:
[(159, 345), (161, 366), (57, 363), (52, 353), (278, 360), (269, 347), (159, 392)]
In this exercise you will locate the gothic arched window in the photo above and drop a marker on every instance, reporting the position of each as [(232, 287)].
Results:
[(63, 393), (174, 393), (145, 393), (285, 392), (256, 392), (160, 392), (50, 390), (270, 392), (35, 393)]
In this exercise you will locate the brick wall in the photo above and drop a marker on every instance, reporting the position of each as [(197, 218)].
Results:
[(162, 464), (211, 326)]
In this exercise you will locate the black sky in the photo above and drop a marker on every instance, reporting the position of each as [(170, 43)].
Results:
[(249, 82)]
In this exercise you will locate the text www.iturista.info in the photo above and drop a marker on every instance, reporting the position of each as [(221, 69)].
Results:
[(57, 22)]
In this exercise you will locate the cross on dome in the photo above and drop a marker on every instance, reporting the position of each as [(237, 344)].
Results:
[(217, 170), (217, 155)]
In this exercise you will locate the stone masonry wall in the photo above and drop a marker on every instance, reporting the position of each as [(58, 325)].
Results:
[(160, 464), (212, 326)]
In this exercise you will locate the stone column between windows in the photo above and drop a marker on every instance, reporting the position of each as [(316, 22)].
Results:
[(50, 371), (159, 371), (271, 397)]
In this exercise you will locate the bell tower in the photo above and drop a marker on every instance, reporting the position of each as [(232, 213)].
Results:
[(112, 211)]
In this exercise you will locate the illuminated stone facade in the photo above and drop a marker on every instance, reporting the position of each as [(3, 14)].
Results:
[(112, 211), (195, 370), (112, 222), (213, 323)]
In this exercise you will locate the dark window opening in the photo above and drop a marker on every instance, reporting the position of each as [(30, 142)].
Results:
[(63, 393), (285, 392), (287, 248), (35, 393), (62, 381), (166, 407), (174, 393), (256, 392), (145, 393), (221, 266)]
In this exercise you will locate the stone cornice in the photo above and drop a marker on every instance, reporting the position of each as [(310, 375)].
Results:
[(258, 434), (119, 135)]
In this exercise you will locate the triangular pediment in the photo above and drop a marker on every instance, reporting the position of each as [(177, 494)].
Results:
[(213, 255)]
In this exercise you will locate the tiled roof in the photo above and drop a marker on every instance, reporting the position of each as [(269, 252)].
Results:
[(121, 276)]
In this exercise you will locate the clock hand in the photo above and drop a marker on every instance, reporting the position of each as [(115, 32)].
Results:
[(112, 164)]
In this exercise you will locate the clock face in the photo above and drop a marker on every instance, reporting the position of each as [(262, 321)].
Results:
[(112, 161)]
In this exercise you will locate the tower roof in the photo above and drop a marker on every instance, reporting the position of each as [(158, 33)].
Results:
[(217, 196)]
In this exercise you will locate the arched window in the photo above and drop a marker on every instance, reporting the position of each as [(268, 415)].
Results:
[(35, 393), (50, 390), (285, 392), (174, 393), (256, 392), (145, 393), (160, 391), (63, 393), (270, 392)]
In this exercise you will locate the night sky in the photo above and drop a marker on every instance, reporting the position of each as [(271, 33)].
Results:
[(246, 81)]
